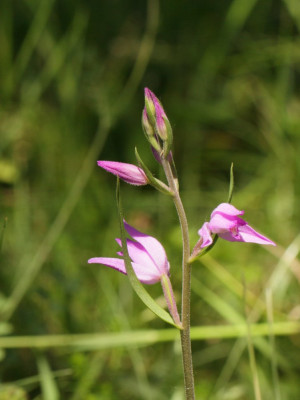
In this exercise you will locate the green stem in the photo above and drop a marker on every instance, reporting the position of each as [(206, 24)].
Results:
[(170, 299), (186, 287)]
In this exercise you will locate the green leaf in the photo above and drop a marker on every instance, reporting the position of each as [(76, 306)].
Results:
[(152, 180), (135, 283), (49, 387), (231, 184)]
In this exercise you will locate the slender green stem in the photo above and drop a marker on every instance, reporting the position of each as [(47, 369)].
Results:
[(186, 287), (170, 299)]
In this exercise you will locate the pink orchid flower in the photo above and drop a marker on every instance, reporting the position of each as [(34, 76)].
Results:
[(149, 259), (226, 223), (127, 172)]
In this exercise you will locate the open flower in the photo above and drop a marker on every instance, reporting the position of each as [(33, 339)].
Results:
[(226, 223), (149, 259), (127, 172)]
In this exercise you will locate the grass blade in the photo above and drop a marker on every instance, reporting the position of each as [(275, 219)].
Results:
[(48, 384)]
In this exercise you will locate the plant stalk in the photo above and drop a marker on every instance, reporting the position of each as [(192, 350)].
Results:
[(186, 287)]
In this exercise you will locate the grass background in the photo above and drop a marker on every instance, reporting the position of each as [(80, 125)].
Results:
[(72, 75)]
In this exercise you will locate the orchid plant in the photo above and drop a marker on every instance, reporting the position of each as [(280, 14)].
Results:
[(143, 257)]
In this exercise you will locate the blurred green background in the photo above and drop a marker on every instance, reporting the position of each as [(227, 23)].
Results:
[(72, 75)]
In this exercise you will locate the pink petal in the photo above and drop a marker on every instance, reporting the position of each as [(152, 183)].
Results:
[(221, 223), (139, 255), (160, 122), (128, 172), (148, 277), (227, 209), (226, 223), (150, 96), (143, 276), (115, 263), (204, 232), (230, 237), (248, 234), (152, 246)]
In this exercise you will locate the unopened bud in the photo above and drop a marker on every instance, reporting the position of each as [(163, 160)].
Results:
[(150, 132), (155, 117), (150, 100), (160, 123), (128, 172)]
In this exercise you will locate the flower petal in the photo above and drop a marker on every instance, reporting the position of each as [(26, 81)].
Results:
[(115, 263), (220, 223), (230, 237), (145, 276), (152, 246), (227, 209), (248, 234), (128, 172), (205, 233), (154, 102), (139, 255)]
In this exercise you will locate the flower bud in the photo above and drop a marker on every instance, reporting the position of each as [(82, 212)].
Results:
[(150, 100), (155, 120), (127, 172), (150, 132)]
